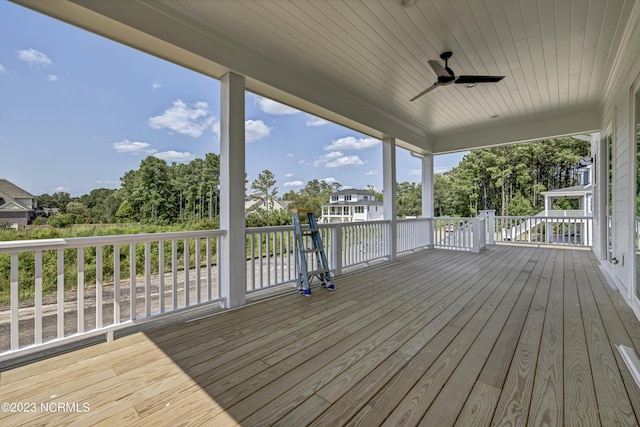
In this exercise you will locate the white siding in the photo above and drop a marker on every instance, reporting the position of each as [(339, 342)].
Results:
[(617, 113), (621, 240)]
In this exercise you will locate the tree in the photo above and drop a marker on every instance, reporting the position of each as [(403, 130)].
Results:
[(78, 211), (101, 203), (149, 190), (60, 220), (442, 198), (57, 200), (264, 184), (125, 212), (519, 206), (314, 195), (408, 199)]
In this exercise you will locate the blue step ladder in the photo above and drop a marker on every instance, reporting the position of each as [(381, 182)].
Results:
[(303, 249)]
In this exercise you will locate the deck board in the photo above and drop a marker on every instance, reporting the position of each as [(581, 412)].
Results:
[(547, 398), (518, 335), (580, 404)]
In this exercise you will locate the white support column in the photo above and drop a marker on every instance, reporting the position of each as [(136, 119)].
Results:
[(389, 191), (427, 193), (233, 276), (427, 186)]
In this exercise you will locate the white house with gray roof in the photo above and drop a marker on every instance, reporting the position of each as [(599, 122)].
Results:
[(351, 205)]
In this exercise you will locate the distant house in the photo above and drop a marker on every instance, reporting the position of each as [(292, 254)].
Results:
[(17, 207), (351, 206), (257, 201), (582, 192)]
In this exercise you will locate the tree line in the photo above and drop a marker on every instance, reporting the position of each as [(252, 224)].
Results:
[(508, 179)]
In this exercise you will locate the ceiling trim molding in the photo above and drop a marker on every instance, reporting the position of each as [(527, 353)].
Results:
[(533, 129)]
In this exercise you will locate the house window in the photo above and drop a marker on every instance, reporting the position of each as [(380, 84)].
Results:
[(347, 197), (359, 209), (334, 198)]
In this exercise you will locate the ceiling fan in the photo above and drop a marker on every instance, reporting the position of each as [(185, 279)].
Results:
[(446, 76)]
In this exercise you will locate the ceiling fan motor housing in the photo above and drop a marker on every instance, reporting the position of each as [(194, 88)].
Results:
[(445, 80)]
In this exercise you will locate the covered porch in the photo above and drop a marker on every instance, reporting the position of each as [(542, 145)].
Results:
[(509, 334), (523, 334)]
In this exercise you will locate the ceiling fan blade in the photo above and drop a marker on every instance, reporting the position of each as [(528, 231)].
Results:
[(438, 68), (429, 89), (478, 79)]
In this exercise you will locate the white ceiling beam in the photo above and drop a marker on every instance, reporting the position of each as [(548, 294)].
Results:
[(530, 129)]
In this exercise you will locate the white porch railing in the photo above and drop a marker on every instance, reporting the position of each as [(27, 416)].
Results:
[(467, 234), (562, 212), (559, 231), (413, 234), (361, 242), (271, 260), (101, 284)]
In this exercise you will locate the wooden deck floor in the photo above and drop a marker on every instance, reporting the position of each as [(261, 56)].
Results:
[(510, 336)]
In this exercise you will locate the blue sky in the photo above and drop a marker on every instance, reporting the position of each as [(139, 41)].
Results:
[(77, 111)]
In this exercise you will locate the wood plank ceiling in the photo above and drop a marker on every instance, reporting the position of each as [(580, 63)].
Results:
[(364, 60)]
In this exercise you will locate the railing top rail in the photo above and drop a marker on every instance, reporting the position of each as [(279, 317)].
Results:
[(453, 218), (542, 218), (78, 242), (346, 224), (274, 228), (414, 219)]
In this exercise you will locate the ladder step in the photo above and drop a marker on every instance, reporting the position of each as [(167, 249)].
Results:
[(314, 272), (308, 251)]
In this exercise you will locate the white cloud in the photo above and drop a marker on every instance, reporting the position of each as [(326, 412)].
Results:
[(34, 57), (255, 130), (327, 157), (52, 78), (329, 180), (62, 189), (296, 183), (316, 121), (215, 128), (289, 155), (414, 172), (133, 147), (351, 143), (371, 172), (441, 169), (346, 161), (184, 119), (175, 156), (2, 69), (155, 85), (289, 175), (270, 106), (346, 187)]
